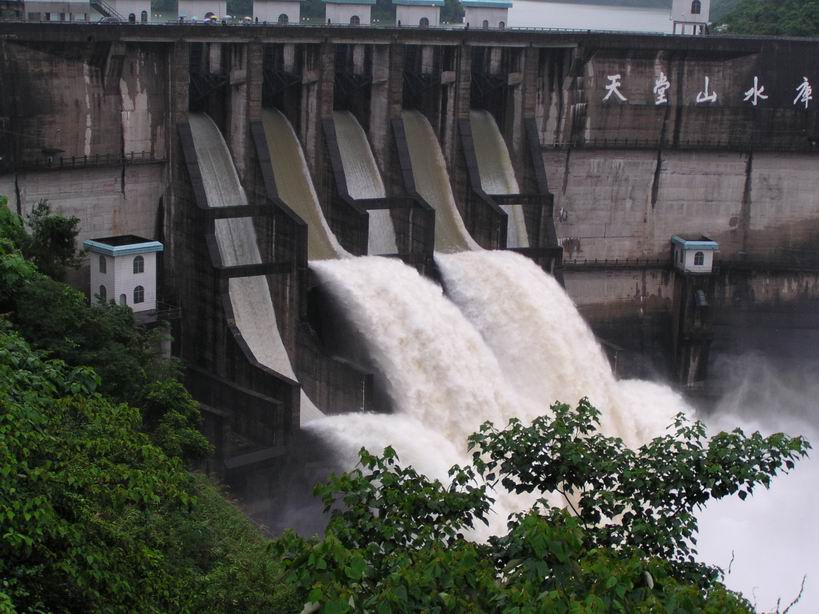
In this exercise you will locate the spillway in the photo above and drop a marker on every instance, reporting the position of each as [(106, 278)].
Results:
[(364, 180), (496, 171), (236, 237), (432, 183), (295, 187)]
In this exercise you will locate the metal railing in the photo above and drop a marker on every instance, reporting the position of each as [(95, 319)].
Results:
[(616, 263), (67, 162), (799, 144)]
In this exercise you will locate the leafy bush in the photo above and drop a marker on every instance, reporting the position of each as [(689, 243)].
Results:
[(94, 517), (396, 540)]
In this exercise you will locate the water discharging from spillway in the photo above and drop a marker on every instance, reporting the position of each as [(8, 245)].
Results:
[(544, 346), (236, 237), (432, 183), (445, 374), (295, 187), (496, 171), (364, 180)]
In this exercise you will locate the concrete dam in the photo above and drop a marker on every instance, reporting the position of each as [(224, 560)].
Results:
[(521, 189)]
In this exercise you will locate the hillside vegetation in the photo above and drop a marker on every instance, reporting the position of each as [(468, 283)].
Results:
[(770, 17)]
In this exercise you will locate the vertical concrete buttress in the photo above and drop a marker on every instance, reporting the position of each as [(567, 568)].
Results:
[(178, 93), (319, 164), (380, 108)]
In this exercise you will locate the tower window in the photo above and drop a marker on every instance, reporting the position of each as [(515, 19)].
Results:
[(696, 7), (502, 25), (485, 24), (103, 293), (283, 19), (424, 23), (699, 259), (103, 266), (123, 300), (355, 20), (139, 265), (139, 295)]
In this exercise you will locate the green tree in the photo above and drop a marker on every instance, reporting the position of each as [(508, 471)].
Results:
[(772, 17), (452, 11), (396, 540), (51, 244), (57, 319), (95, 518)]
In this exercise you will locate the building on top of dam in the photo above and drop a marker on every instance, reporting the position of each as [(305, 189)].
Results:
[(486, 13), (132, 11), (64, 10), (694, 13), (277, 11), (420, 13), (202, 9), (348, 12)]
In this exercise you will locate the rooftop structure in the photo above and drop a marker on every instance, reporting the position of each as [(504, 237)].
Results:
[(277, 11), (423, 13), (201, 9), (693, 13), (486, 14), (348, 12), (65, 10)]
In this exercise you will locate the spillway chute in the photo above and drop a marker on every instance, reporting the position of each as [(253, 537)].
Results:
[(250, 297), (364, 180), (496, 171), (432, 183), (295, 186)]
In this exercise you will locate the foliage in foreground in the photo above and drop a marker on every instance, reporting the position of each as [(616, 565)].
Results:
[(397, 541), (94, 517)]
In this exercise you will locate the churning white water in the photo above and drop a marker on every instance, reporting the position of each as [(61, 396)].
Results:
[(249, 296), (432, 183), (437, 367), (295, 187), (364, 180), (544, 346), (496, 171)]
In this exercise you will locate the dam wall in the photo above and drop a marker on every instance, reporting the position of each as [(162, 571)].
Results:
[(634, 137)]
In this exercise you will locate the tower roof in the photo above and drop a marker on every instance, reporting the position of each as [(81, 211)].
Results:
[(122, 245)]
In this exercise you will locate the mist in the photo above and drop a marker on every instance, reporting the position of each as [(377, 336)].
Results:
[(773, 535)]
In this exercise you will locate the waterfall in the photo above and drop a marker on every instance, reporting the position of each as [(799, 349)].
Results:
[(364, 180), (295, 187), (441, 378), (544, 346), (437, 367), (496, 171), (249, 296), (432, 183)]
